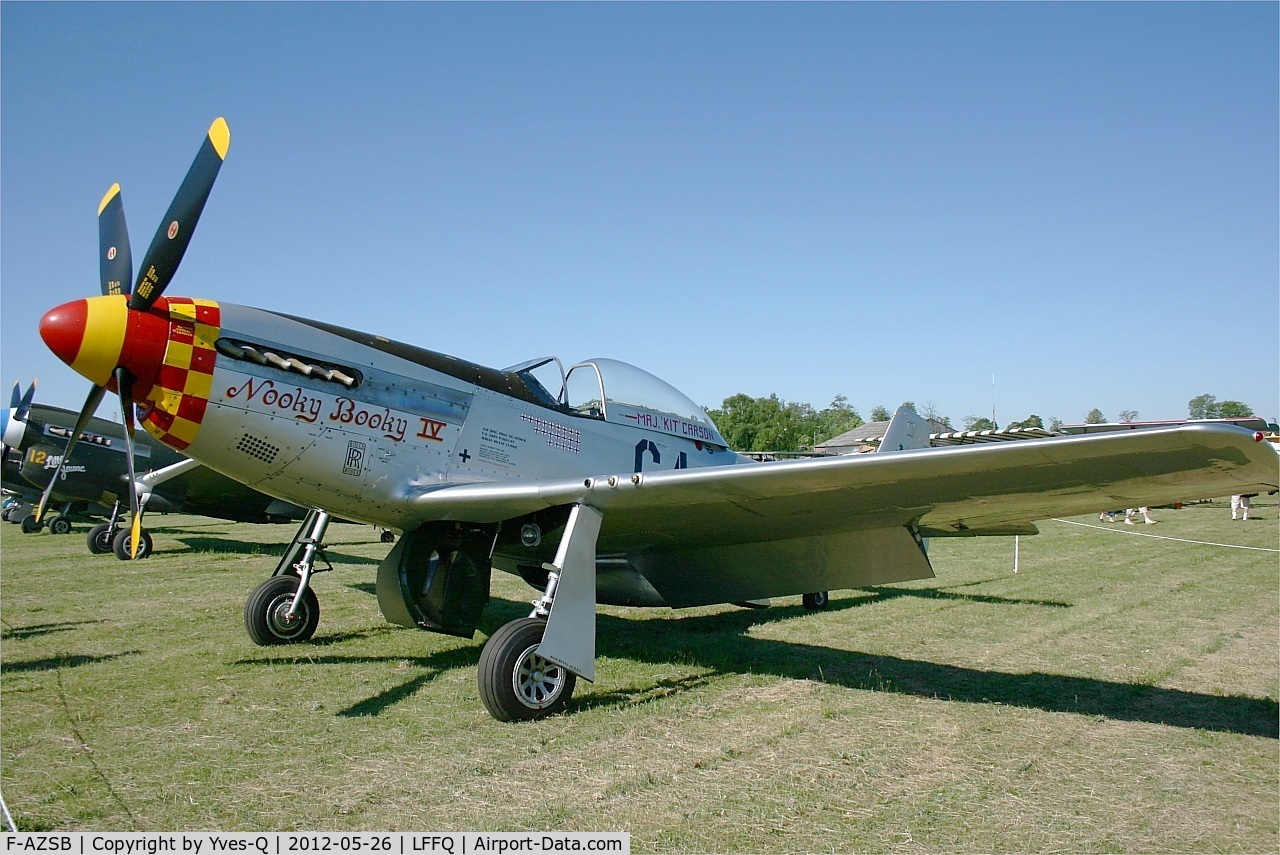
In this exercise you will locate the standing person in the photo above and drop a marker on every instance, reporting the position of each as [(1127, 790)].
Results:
[(1241, 503), (1129, 514)]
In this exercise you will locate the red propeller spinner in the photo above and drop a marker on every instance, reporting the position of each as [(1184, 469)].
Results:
[(96, 335), (118, 340)]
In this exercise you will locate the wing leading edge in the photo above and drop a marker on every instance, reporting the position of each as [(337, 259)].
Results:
[(734, 515), (963, 490)]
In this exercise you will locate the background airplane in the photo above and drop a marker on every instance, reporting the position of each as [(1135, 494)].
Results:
[(96, 476), (600, 484)]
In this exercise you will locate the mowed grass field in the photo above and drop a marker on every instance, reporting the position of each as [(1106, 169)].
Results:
[(1118, 694)]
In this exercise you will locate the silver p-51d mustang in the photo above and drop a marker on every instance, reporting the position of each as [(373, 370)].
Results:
[(599, 484)]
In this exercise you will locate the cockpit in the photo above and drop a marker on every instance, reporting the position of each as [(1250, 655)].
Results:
[(618, 392)]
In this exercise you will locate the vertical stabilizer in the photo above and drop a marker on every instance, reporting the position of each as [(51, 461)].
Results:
[(907, 430)]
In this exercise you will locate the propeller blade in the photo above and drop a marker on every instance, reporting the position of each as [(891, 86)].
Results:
[(15, 418), (14, 400), (115, 261), (124, 383), (170, 242), (86, 413), (24, 406)]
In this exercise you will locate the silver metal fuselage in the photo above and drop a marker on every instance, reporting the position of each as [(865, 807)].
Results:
[(410, 422)]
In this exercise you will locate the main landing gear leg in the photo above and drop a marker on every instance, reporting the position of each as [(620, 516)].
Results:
[(122, 541), (284, 609), (61, 524), (529, 667), (58, 523), (102, 535)]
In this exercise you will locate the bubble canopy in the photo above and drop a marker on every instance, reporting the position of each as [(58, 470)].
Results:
[(622, 393)]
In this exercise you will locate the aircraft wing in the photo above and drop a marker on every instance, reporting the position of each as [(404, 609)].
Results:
[(985, 489)]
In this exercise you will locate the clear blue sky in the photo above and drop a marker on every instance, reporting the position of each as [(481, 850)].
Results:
[(889, 202)]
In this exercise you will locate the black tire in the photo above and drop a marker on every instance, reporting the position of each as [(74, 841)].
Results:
[(100, 538), (120, 544), (266, 609), (817, 600), (516, 684), (60, 525), (29, 524)]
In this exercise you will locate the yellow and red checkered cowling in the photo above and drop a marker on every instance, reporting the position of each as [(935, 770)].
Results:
[(177, 402)]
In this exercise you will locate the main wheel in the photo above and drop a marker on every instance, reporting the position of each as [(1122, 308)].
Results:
[(100, 538), (60, 525), (29, 524), (266, 613), (516, 684), (816, 600), (124, 537)]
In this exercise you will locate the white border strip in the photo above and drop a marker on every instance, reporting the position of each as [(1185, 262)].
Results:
[(1162, 537)]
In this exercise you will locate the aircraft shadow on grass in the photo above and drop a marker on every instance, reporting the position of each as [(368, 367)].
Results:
[(36, 630), (862, 597), (207, 537), (55, 663), (885, 593), (221, 545), (688, 641)]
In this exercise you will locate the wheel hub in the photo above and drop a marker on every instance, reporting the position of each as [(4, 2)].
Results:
[(280, 617), (537, 681)]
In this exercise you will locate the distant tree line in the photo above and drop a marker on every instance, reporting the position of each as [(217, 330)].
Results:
[(1208, 407), (773, 424), (1200, 407)]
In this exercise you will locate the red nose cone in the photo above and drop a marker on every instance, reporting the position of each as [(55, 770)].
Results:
[(96, 335), (63, 329)]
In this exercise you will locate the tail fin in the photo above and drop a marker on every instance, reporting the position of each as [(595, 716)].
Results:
[(908, 430)]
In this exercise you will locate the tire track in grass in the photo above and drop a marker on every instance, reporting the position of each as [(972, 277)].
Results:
[(88, 751)]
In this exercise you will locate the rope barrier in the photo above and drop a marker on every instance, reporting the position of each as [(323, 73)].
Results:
[(1163, 537)]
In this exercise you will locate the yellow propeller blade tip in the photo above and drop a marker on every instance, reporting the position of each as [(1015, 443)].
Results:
[(220, 136), (134, 534), (106, 200)]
